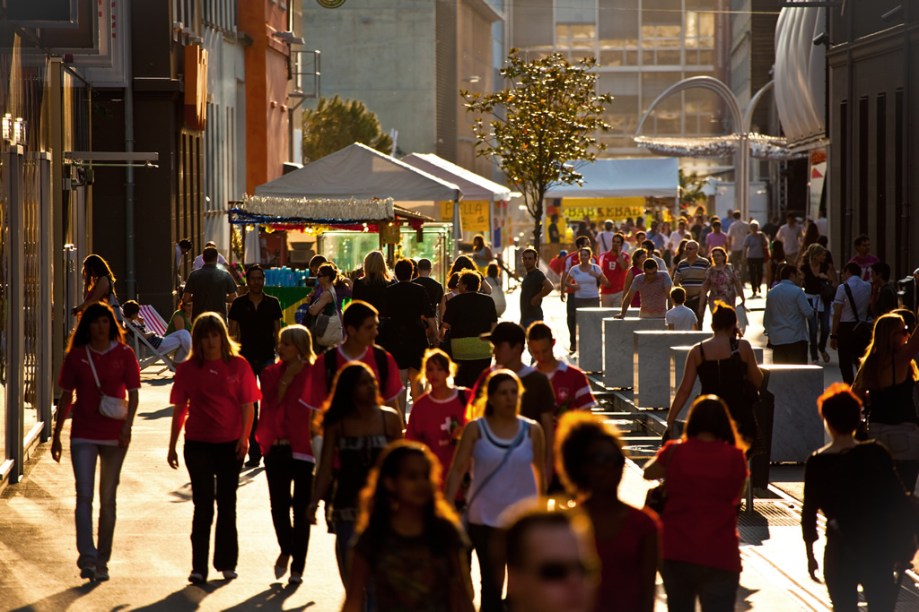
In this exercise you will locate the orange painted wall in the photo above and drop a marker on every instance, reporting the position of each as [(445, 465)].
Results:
[(266, 61)]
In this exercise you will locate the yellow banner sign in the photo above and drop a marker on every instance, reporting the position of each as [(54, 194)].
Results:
[(473, 214), (600, 209)]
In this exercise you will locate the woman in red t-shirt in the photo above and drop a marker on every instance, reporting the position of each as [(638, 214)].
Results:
[(438, 416), (589, 461), (284, 435), (97, 342), (704, 474), (215, 389)]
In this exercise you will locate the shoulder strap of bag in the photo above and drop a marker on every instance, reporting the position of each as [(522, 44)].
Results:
[(518, 440), (849, 295), (92, 367), (382, 358)]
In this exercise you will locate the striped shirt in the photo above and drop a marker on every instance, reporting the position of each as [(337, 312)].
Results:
[(690, 276)]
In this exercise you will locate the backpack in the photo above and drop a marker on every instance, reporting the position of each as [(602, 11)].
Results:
[(331, 365)]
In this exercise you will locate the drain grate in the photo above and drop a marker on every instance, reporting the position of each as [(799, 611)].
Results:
[(767, 514)]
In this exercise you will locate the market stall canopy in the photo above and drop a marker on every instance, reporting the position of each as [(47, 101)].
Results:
[(473, 186), (290, 211), (656, 177), (359, 172)]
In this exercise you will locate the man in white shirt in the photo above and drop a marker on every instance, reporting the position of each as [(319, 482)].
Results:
[(843, 337), (791, 234), (605, 238), (677, 236), (199, 260), (737, 233)]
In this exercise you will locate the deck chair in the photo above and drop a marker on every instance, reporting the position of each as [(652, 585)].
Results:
[(147, 355)]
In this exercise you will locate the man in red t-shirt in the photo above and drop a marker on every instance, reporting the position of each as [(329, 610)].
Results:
[(570, 384), (361, 322), (615, 264), (557, 263)]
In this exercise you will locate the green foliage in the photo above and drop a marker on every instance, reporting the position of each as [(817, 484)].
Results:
[(548, 116), (691, 190), (335, 123)]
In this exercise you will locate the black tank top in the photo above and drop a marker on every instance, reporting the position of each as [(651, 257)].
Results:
[(356, 457), (725, 378), (894, 404)]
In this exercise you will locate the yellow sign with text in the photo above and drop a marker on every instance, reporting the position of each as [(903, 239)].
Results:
[(473, 215), (600, 209)]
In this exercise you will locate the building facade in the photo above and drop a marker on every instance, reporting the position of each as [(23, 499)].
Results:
[(873, 63)]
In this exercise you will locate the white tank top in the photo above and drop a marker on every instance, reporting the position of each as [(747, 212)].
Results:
[(514, 482)]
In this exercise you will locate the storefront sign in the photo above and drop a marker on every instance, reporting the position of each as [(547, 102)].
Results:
[(473, 214), (600, 209)]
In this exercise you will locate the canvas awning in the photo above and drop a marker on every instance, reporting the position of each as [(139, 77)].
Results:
[(361, 173), (656, 177), (473, 186), (800, 76)]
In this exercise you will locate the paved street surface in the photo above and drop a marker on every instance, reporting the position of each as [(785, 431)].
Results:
[(151, 557)]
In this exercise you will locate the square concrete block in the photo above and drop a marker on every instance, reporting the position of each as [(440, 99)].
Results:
[(617, 348), (651, 350), (797, 430), (590, 337)]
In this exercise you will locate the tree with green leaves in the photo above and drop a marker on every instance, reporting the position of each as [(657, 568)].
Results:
[(691, 194), (335, 123), (545, 119)]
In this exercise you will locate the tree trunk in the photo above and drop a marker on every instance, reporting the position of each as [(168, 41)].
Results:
[(537, 224)]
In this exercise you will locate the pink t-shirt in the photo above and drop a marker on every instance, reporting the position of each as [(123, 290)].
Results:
[(317, 391), (703, 489), (287, 419), (716, 240), (118, 373), (438, 424), (212, 393)]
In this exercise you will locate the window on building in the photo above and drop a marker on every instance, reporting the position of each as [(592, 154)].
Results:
[(618, 32)]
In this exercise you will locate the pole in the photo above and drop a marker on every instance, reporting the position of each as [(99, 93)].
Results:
[(130, 278)]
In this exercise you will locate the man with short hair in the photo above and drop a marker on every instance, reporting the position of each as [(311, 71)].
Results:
[(655, 236), (677, 236), (654, 288), (432, 286), (551, 562), (690, 275), (210, 288), (615, 264), (884, 293), (538, 401), (715, 238), (255, 322), (850, 307), (200, 261), (533, 289), (605, 238), (786, 316), (737, 234), (790, 235), (362, 326), (570, 384), (863, 257)]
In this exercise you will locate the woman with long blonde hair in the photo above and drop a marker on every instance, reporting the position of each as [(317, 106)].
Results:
[(213, 395), (885, 382), (374, 280), (819, 280), (285, 437)]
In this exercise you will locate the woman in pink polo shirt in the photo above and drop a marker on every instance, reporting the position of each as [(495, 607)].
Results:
[(284, 435), (215, 390), (97, 351)]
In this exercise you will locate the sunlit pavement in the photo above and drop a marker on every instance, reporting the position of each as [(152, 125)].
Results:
[(152, 552)]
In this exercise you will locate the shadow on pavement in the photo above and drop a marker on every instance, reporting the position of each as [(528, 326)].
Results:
[(189, 598), (272, 598), (163, 413), (60, 601), (743, 598)]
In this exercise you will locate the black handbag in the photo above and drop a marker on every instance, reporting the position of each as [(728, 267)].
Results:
[(827, 291), (656, 498)]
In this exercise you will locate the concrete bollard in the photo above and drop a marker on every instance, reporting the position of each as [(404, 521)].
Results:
[(651, 350), (590, 337), (618, 362), (797, 429)]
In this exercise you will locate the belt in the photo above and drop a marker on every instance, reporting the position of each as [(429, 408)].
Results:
[(281, 442)]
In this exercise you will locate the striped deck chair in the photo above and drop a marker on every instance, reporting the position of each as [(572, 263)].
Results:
[(146, 353)]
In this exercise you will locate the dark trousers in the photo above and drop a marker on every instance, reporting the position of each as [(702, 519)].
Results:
[(282, 471), (755, 272), (796, 353), (255, 452), (844, 569), (488, 543), (715, 589), (469, 370), (572, 316), (820, 320), (848, 350), (214, 472)]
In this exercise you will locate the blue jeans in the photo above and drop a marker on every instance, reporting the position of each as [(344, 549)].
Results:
[(83, 456), (821, 320)]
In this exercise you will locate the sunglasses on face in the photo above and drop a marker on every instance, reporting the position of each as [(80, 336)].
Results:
[(559, 571)]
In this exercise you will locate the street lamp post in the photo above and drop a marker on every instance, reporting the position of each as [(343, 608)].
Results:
[(741, 120)]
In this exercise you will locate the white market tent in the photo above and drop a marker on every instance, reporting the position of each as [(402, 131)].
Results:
[(359, 172), (473, 186), (656, 177)]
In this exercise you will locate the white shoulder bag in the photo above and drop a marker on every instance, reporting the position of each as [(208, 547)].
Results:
[(111, 407)]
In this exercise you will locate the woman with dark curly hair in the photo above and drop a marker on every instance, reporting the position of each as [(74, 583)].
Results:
[(410, 549), (589, 461), (98, 285)]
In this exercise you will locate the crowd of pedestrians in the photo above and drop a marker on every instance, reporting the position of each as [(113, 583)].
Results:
[(488, 435)]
